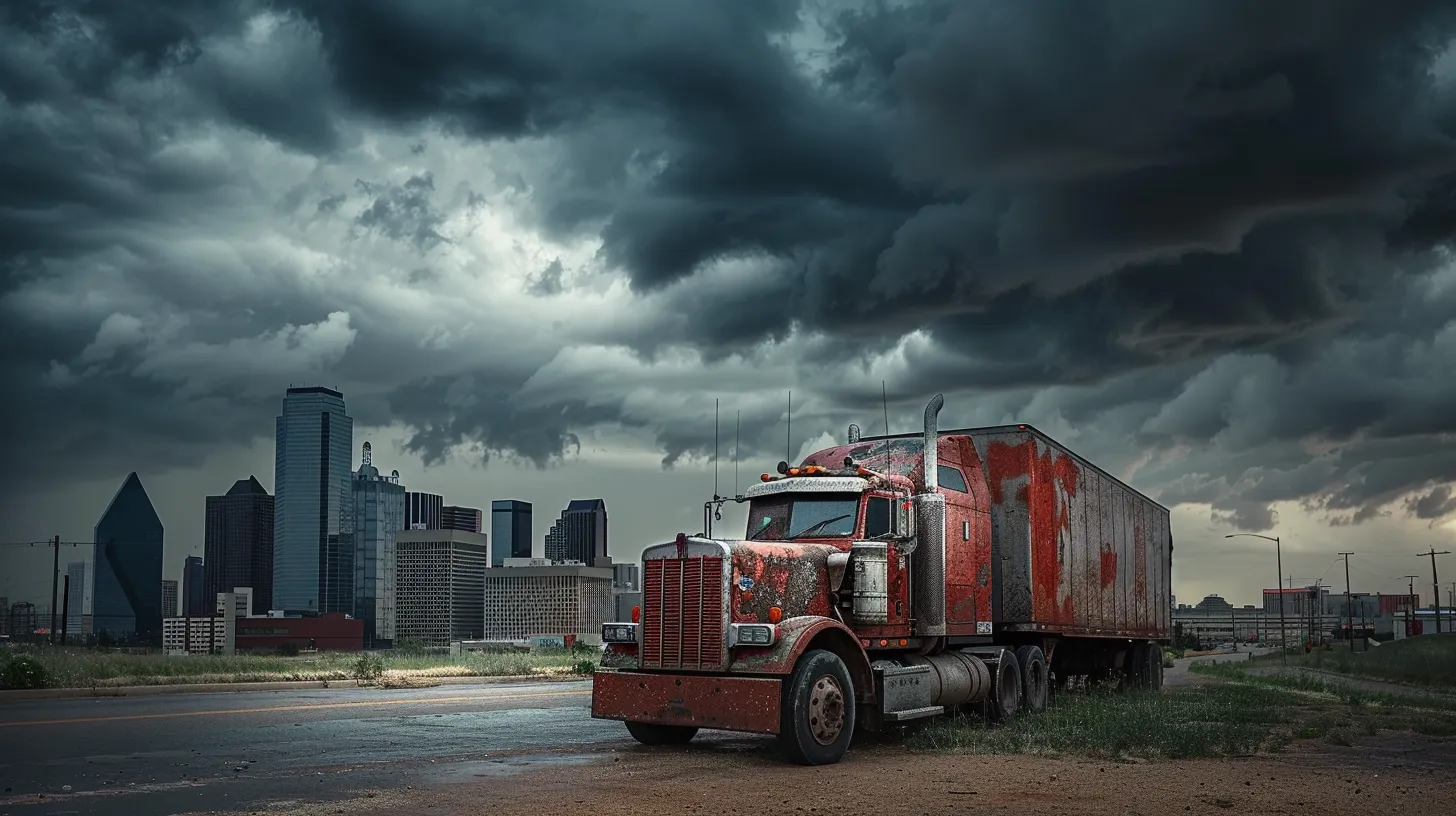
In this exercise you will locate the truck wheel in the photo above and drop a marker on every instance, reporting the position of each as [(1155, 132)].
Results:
[(1005, 689), (818, 710), (1033, 679), (654, 734), (1135, 672)]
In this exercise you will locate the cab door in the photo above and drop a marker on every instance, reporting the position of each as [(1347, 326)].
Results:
[(967, 544)]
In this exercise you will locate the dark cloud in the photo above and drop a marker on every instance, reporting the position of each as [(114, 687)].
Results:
[(1206, 241)]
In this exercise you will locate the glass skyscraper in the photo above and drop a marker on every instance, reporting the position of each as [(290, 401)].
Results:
[(510, 530), (126, 601), (377, 513), (313, 560)]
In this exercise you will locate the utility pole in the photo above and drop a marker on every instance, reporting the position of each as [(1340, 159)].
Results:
[(1278, 576), (1410, 602), (1349, 610), (1436, 583), (55, 579)]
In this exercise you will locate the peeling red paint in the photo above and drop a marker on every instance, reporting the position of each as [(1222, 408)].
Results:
[(793, 577), (1109, 566)]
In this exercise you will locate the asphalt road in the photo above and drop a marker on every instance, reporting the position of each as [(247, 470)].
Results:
[(233, 751)]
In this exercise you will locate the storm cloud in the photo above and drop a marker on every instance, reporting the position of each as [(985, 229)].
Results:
[(1206, 242)]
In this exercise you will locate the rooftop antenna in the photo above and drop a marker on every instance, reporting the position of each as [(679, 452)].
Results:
[(885, 405), (789, 432), (715, 450), (737, 431)]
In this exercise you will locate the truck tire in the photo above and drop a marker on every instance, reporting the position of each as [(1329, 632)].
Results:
[(1034, 679), (1135, 673), (655, 734), (818, 710), (1005, 696)]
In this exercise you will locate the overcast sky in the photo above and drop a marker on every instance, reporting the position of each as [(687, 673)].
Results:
[(1205, 244)]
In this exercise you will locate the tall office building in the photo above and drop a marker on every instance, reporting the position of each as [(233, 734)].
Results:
[(75, 599), (580, 534), (441, 586), (464, 519), (423, 511), (313, 569), (510, 530), (126, 601), (238, 542), (377, 515), (194, 587), (169, 598)]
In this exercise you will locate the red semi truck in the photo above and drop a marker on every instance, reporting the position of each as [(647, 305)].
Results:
[(893, 579)]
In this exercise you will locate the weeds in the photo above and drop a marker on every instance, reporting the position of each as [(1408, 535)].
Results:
[(80, 668), (1245, 714), (1429, 660), (1211, 720)]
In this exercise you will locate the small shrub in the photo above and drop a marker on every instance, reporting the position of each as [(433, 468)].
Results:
[(586, 667), (368, 668), (22, 672)]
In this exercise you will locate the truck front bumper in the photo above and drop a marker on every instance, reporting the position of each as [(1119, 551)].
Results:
[(724, 702)]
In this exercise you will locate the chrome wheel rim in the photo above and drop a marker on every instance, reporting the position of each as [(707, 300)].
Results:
[(826, 710)]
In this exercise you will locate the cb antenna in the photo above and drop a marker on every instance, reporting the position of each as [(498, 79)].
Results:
[(885, 404), (715, 450), (789, 432), (737, 430)]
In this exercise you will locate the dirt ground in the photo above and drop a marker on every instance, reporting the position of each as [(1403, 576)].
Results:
[(1401, 771)]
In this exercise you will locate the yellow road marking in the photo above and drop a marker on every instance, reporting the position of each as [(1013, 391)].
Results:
[(300, 707)]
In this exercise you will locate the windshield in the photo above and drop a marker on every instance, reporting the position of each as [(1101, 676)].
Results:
[(784, 518)]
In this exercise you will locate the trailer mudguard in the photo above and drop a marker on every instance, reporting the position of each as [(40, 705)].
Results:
[(797, 636)]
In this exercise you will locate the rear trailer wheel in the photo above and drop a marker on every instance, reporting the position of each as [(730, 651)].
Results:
[(1136, 672), (1033, 679), (1006, 689), (818, 710), (654, 734)]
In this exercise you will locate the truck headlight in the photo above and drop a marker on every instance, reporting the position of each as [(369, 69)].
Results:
[(619, 633), (752, 634)]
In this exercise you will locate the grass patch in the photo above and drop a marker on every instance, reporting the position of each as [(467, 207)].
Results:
[(1244, 714), (1428, 660), (1198, 721), (82, 668)]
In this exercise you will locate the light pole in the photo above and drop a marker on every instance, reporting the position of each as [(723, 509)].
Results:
[(1278, 588)]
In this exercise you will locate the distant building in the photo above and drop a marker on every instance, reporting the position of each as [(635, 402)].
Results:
[(76, 600), (238, 541), (330, 632), (1213, 604), (377, 506), (580, 534), (127, 595), (521, 602), (197, 635), (440, 586), (423, 511), (23, 619), (313, 569), (624, 601), (4, 615), (169, 598), (626, 577), (510, 530), (194, 587), (467, 519)]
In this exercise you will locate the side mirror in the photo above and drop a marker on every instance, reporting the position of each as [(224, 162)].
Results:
[(902, 519)]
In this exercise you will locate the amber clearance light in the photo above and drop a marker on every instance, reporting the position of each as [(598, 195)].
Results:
[(636, 614), (775, 614)]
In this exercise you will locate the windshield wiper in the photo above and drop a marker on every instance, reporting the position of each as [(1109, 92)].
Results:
[(760, 532), (815, 526)]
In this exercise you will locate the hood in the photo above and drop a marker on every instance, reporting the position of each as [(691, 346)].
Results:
[(793, 577)]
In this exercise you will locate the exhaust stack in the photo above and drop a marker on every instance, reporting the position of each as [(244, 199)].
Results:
[(928, 559), (932, 435)]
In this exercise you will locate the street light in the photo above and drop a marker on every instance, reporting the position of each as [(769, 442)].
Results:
[(1278, 588)]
